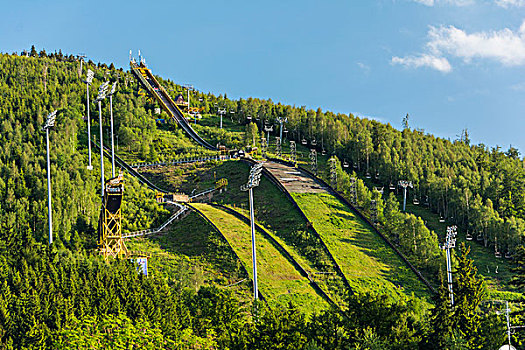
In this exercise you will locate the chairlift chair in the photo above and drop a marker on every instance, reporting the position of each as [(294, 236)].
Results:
[(377, 175), (508, 255), (441, 219), (497, 254), (479, 237), (304, 142), (415, 201), (345, 164), (355, 165), (314, 143), (469, 237), (323, 152), (391, 187), (368, 175)]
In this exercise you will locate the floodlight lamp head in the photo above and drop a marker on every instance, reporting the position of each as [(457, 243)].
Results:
[(89, 77), (102, 91), (50, 120), (113, 89)]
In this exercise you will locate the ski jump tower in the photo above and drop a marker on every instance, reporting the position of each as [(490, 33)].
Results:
[(110, 240)]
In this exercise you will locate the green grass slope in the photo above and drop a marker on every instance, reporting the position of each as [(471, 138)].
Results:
[(367, 261), (279, 281)]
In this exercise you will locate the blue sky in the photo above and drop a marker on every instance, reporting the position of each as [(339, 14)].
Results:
[(450, 64)]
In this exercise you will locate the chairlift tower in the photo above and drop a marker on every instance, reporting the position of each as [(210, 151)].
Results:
[(268, 129), (353, 191), (88, 81), (281, 121), (221, 112), (50, 122), (373, 211), (264, 145), (313, 161), (333, 172), (450, 242), (405, 184), (293, 151), (253, 181)]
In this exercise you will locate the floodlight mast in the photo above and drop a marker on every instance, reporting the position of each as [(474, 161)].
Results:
[(88, 81), (101, 96), (405, 184), (50, 122), (253, 181), (111, 93), (450, 242)]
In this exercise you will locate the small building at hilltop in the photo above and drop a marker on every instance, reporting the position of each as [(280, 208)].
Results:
[(179, 99)]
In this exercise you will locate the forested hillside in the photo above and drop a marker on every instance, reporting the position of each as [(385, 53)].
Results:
[(480, 188), (65, 296)]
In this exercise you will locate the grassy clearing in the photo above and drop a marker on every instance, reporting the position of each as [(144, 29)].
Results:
[(191, 254), (279, 281), (276, 213), (367, 261)]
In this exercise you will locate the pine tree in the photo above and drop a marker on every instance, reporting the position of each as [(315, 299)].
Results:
[(468, 294), (441, 319)]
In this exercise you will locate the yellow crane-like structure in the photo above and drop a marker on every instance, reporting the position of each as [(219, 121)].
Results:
[(110, 240)]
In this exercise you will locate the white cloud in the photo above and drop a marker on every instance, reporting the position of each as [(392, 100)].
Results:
[(510, 3), (504, 46), (438, 63), (501, 3), (450, 2), (364, 67), (426, 2)]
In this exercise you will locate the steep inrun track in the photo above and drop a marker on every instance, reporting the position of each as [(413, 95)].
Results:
[(153, 87)]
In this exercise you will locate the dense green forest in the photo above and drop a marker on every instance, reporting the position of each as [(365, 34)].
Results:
[(66, 296)]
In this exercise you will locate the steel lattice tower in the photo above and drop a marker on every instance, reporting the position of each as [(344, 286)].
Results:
[(313, 161), (110, 242)]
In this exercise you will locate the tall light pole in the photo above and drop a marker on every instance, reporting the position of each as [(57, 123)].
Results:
[(101, 95), (405, 184), (49, 123), (89, 79), (113, 89), (450, 242), (253, 181)]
